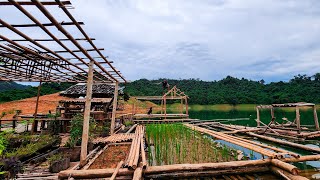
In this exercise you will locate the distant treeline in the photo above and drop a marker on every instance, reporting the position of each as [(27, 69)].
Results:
[(11, 91), (230, 90)]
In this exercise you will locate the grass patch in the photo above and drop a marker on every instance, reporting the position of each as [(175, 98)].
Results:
[(175, 144)]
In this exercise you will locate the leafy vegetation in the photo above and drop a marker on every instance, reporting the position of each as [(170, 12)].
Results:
[(11, 94), (175, 143), (76, 130), (233, 91), (55, 157)]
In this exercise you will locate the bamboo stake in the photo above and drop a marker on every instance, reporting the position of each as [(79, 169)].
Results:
[(116, 171)]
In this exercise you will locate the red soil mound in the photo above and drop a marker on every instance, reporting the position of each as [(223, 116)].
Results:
[(27, 106)]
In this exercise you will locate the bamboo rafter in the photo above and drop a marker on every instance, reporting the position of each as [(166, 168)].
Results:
[(28, 58)]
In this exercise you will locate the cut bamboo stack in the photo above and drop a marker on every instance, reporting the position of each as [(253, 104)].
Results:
[(137, 146)]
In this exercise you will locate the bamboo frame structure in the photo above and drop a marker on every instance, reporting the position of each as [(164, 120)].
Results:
[(30, 59), (297, 121), (173, 94)]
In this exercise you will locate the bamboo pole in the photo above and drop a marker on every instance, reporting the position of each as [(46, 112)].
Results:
[(85, 130), (207, 173), (137, 175), (131, 152), (116, 171), (114, 107), (298, 119), (165, 107), (35, 122), (315, 117), (143, 153), (266, 146), (137, 151), (302, 158), (187, 108), (285, 174), (233, 140), (205, 166), (131, 129), (258, 116), (300, 146), (285, 166)]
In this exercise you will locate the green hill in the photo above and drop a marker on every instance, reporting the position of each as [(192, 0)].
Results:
[(232, 90), (11, 85)]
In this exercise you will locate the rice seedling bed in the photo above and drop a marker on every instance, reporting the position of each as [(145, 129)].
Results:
[(111, 157), (176, 144)]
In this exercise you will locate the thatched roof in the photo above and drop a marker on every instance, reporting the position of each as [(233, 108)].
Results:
[(98, 90)]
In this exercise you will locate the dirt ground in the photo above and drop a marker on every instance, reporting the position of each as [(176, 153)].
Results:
[(27, 106), (111, 157)]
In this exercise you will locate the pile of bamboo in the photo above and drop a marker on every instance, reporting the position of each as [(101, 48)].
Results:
[(137, 148)]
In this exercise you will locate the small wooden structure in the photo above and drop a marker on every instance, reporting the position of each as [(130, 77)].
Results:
[(172, 94), (297, 122)]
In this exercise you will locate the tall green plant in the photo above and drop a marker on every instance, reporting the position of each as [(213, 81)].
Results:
[(76, 130)]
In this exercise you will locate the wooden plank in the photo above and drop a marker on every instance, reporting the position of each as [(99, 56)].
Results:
[(114, 108), (85, 130)]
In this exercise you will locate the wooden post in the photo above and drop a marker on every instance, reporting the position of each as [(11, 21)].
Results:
[(298, 119), (272, 112), (86, 117), (162, 106), (187, 111), (165, 107), (181, 106), (258, 116), (35, 123), (315, 117), (114, 108)]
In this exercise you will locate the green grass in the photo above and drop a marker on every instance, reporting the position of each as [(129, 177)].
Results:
[(175, 144)]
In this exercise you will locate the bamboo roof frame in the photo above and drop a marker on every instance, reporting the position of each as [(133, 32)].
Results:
[(37, 62)]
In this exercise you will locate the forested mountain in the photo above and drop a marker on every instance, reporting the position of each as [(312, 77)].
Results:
[(46, 88), (11, 85), (232, 90)]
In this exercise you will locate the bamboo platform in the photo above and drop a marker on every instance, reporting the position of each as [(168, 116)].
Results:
[(152, 116)]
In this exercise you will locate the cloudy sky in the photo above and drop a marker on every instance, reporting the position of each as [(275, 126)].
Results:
[(208, 39)]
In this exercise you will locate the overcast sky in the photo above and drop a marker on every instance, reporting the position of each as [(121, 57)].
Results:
[(271, 39)]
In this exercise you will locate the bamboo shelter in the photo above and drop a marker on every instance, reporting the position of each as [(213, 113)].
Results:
[(287, 125), (27, 58), (172, 94)]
